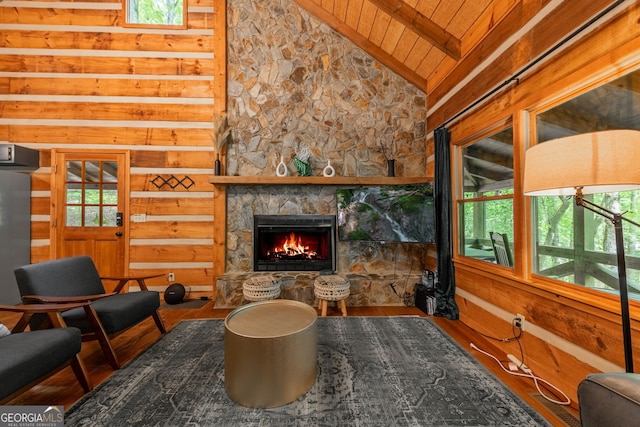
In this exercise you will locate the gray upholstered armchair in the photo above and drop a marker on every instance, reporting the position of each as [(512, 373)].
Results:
[(26, 358), (76, 279), (610, 399)]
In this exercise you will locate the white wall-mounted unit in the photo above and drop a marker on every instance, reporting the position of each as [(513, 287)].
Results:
[(18, 159)]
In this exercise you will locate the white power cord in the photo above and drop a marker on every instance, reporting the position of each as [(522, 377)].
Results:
[(528, 374)]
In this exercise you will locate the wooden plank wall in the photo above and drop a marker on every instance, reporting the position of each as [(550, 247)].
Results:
[(570, 331), (73, 77)]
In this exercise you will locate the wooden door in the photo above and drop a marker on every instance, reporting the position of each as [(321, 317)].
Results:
[(90, 209)]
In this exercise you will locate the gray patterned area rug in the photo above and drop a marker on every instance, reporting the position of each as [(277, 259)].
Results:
[(372, 371)]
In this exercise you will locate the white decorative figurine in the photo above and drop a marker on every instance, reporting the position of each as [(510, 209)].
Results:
[(329, 171), (281, 169)]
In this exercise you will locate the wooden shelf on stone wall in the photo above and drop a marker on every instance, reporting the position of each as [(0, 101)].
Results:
[(318, 180)]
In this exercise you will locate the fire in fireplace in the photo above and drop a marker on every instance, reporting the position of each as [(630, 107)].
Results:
[(294, 242), (294, 246)]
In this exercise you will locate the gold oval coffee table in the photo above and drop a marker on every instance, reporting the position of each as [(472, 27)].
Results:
[(270, 352)]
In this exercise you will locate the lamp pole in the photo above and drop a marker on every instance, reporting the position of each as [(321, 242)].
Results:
[(624, 294), (607, 164), (616, 219)]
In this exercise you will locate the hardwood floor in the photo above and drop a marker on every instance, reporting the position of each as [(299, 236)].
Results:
[(63, 388)]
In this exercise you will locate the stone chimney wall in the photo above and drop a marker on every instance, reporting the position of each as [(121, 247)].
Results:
[(294, 83)]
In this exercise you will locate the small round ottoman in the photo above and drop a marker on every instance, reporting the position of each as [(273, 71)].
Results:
[(270, 352), (261, 288), (331, 288)]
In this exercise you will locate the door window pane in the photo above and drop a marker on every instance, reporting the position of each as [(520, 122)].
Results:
[(92, 216), (110, 194), (74, 171), (74, 216), (91, 194), (92, 171), (74, 194), (109, 172)]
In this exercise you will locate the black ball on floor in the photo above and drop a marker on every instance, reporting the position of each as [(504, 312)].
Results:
[(174, 294)]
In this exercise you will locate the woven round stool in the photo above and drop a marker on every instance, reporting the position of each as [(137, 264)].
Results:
[(261, 288), (331, 288)]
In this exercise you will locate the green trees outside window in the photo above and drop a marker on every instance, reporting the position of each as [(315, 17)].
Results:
[(570, 243), (155, 12), (91, 194), (486, 198)]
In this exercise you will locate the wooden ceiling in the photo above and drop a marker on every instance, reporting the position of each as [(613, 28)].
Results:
[(421, 40), (438, 44)]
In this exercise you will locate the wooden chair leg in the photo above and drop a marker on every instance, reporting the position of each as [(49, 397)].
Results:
[(324, 307), (101, 335), (159, 322), (81, 373), (107, 349)]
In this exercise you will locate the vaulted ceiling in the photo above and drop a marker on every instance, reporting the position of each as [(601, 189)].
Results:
[(439, 45), (421, 40)]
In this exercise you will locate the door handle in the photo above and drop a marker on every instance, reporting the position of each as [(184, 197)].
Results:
[(118, 233)]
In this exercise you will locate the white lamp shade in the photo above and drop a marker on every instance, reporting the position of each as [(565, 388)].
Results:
[(598, 162)]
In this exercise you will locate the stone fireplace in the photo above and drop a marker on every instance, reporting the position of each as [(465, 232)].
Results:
[(379, 273), (293, 86), (294, 243)]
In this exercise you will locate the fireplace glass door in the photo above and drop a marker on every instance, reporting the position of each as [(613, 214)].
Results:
[(294, 242)]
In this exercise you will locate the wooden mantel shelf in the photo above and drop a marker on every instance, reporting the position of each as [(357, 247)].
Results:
[(318, 180)]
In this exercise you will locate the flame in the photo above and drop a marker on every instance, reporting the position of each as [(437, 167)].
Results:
[(291, 246)]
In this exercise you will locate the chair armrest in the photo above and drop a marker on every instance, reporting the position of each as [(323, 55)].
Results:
[(142, 277), (64, 300), (123, 280), (52, 310), (42, 308)]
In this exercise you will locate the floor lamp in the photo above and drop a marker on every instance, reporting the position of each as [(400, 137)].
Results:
[(598, 162)]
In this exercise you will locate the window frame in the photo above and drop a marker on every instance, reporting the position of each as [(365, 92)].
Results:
[(458, 190), (531, 114), (127, 24), (81, 185)]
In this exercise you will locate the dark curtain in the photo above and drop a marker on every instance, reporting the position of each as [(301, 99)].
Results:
[(446, 288)]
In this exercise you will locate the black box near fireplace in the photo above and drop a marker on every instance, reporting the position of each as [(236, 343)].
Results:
[(294, 242)]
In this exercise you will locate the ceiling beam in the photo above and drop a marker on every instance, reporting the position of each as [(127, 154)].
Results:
[(421, 25), (363, 43)]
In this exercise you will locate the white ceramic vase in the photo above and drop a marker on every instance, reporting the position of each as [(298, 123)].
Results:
[(281, 169), (329, 171)]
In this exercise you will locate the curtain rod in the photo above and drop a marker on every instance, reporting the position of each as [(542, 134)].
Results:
[(516, 76)]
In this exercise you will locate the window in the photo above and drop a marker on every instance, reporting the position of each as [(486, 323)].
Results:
[(155, 12), (485, 201), (91, 194), (571, 243)]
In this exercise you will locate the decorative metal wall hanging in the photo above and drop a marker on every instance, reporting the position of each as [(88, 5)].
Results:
[(172, 182)]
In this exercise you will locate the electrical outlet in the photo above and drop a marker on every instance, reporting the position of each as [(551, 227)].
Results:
[(172, 277), (518, 321)]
